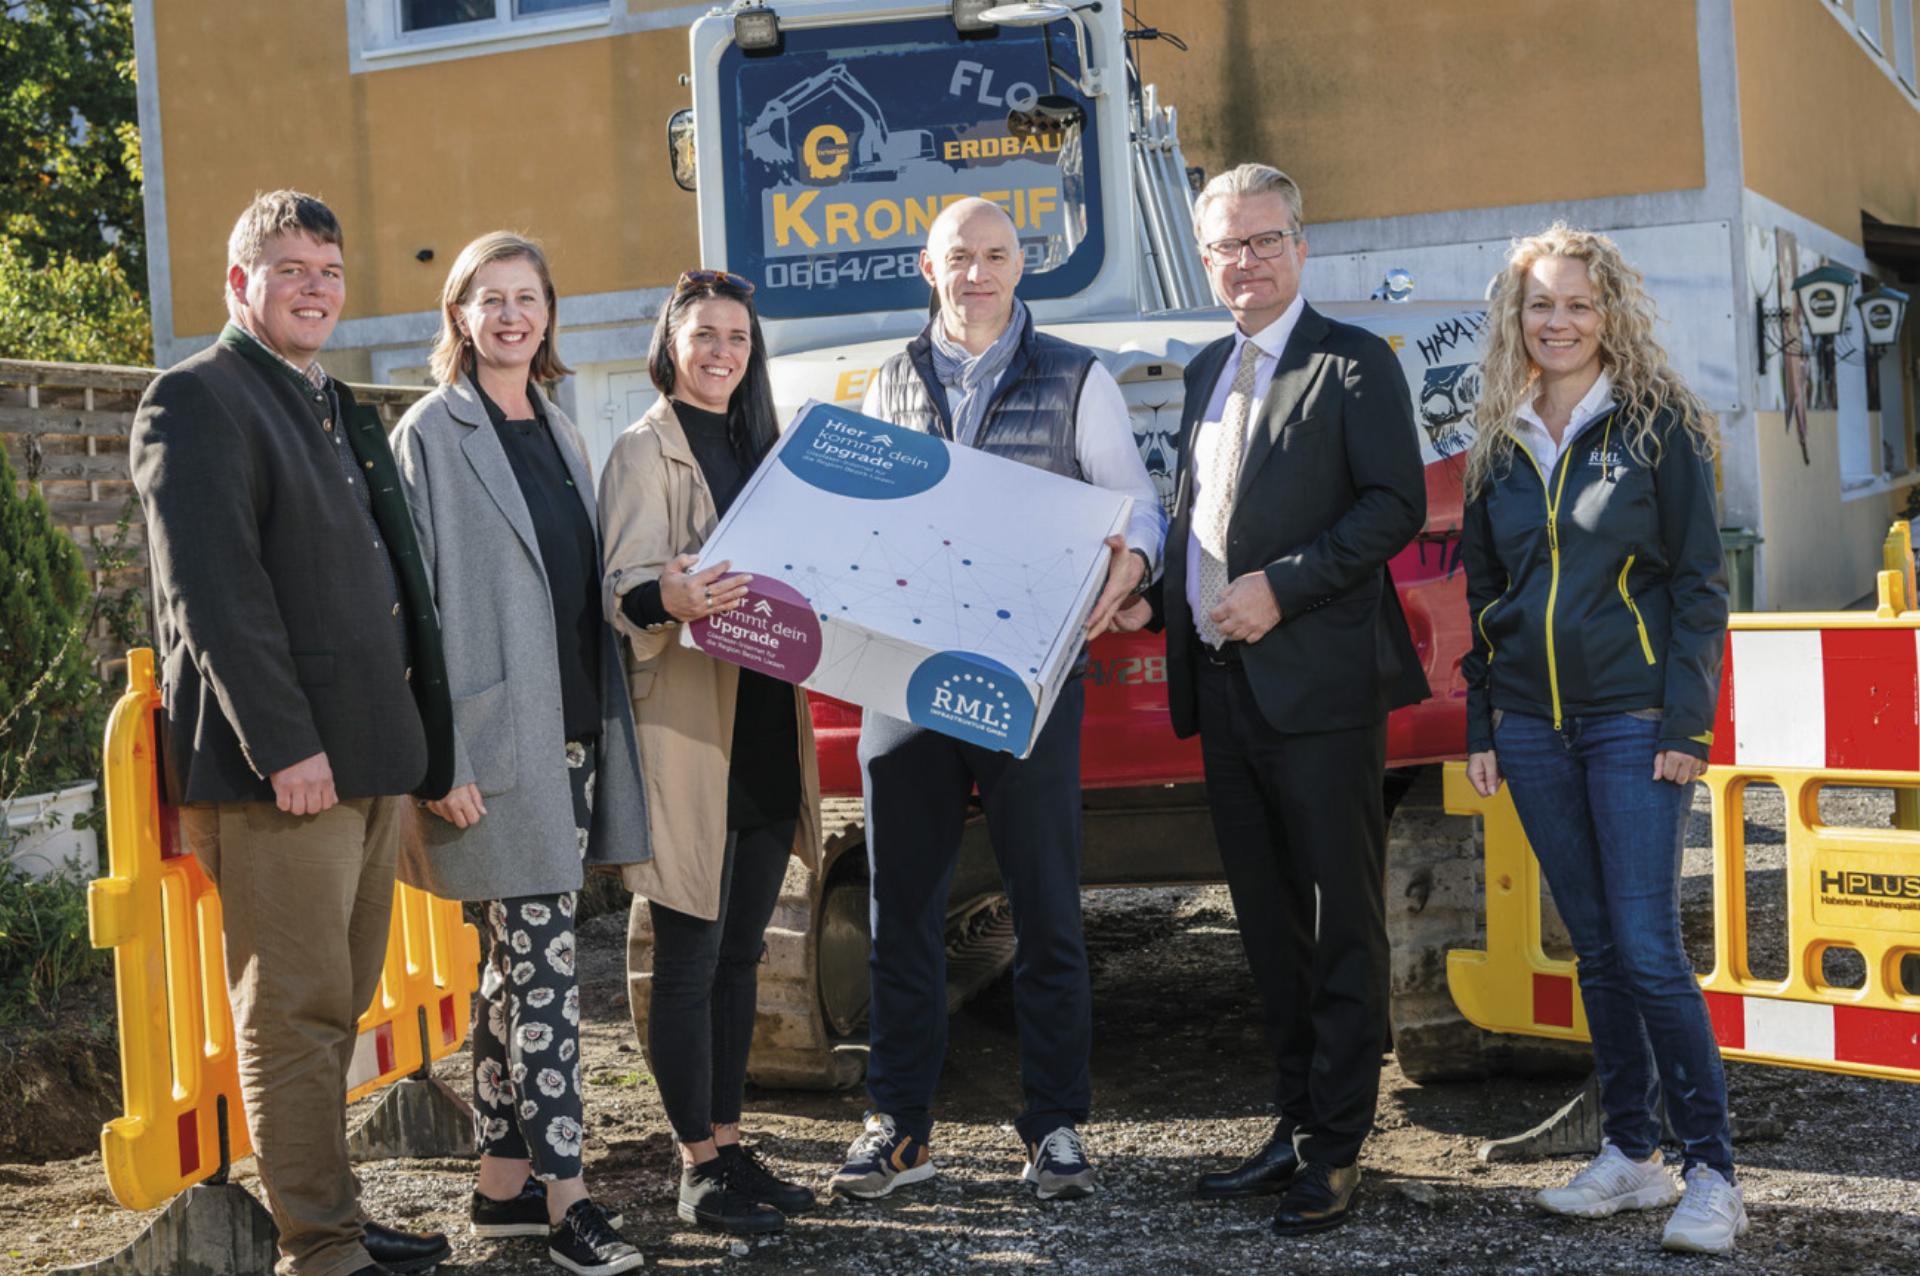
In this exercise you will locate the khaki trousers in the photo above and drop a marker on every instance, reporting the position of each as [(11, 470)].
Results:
[(305, 904)]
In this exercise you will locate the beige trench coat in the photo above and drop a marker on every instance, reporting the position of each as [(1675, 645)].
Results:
[(654, 504)]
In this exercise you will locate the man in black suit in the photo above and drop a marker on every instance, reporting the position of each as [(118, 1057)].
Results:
[(1300, 476), (305, 695)]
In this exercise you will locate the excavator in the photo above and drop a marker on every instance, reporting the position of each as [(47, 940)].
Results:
[(823, 137)]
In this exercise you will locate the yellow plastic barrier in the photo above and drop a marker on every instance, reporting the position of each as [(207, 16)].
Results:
[(161, 916), (1807, 702)]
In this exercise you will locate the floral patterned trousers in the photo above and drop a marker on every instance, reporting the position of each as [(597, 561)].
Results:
[(526, 1040)]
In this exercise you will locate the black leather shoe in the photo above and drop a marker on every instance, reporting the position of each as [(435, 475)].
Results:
[(405, 1253), (1264, 1173), (371, 1271), (1320, 1197)]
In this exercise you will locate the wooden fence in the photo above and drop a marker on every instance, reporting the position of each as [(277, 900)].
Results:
[(65, 426)]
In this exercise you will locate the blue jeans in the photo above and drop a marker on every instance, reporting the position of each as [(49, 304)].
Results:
[(1609, 840)]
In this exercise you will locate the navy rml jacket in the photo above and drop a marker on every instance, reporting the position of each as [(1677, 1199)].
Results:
[(1597, 587)]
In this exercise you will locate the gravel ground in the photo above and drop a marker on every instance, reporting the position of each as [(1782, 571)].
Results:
[(1179, 1088)]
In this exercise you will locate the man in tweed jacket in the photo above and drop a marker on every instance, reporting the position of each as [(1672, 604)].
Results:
[(305, 695)]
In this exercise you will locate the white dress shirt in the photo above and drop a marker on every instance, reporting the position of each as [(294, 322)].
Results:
[(1270, 340), (1109, 457), (1533, 432)]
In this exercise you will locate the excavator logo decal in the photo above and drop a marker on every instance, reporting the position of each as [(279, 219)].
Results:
[(825, 152)]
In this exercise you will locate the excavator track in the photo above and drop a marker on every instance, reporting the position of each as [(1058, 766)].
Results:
[(793, 1046), (1435, 868), (810, 1030)]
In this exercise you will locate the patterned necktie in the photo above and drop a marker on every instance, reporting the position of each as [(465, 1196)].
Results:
[(1220, 479)]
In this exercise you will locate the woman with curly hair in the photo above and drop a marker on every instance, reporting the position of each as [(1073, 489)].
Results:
[(1600, 613)]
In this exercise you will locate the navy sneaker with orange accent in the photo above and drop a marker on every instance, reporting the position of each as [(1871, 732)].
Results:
[(881, 1159), (1057, 1167)]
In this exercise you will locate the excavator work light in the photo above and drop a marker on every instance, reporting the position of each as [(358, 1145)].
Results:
[(966, 15), (756, 30)]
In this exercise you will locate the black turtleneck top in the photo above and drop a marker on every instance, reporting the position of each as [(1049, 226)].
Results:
[(763, 785)]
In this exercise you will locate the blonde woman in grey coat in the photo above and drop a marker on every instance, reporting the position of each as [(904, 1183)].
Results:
[(546, 773)]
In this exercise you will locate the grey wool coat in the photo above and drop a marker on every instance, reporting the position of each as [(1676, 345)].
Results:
[(483, 561)]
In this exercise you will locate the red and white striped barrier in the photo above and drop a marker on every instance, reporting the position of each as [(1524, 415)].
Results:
[(1805, 1032), (1841, 699)]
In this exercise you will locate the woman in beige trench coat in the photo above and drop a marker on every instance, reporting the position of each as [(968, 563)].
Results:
[(732, 784)]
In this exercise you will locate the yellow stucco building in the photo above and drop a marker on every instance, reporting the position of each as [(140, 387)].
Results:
[(1729, 145)]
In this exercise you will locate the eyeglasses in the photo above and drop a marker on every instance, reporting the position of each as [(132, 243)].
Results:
[(1266, 244), (690, 279)]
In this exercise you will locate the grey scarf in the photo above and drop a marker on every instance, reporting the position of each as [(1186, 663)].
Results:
[(969, 379)]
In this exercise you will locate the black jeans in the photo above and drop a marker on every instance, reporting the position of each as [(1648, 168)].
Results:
[(1293, 812), (706, 984), (917, 783)]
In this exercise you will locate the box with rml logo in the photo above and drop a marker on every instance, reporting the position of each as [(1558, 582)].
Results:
[(937, 584)]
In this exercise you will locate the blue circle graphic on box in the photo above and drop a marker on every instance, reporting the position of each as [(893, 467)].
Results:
[(971, 698), (852, 455)]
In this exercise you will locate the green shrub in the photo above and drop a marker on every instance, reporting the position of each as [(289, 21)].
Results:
[(68, 309), (52, 711), (44, 945)]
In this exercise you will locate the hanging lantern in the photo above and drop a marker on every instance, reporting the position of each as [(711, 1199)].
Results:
[(1823, 293), (1881, 312)]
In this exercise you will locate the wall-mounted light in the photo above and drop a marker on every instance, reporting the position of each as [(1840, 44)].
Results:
[(1823, 293), (1821, 297), (1881, 312)]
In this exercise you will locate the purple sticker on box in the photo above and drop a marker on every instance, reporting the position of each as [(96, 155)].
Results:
[(775, 631)]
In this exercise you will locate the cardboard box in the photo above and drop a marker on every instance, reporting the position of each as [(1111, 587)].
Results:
[(936, 584)]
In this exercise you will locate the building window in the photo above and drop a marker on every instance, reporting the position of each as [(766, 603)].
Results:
[(1866, 16), (430, 15), (1903, 52), (398, 32)]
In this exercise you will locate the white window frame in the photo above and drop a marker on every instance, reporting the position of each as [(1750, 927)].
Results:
[(377, 40), (1866, 16), (1903, 47), (1843, 12)]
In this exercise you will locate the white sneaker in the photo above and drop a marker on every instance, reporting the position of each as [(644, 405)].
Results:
[(1611, 1182), (1710, 1217)]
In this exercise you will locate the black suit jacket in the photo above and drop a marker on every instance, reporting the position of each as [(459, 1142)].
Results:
[(1331, 488), (274, 616)]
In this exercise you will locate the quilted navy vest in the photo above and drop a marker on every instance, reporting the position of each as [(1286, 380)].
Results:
[(1031, 416)]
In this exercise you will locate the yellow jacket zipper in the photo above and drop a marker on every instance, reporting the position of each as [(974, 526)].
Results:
[(1480, 622), (1552, 497), (1646, 644)]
